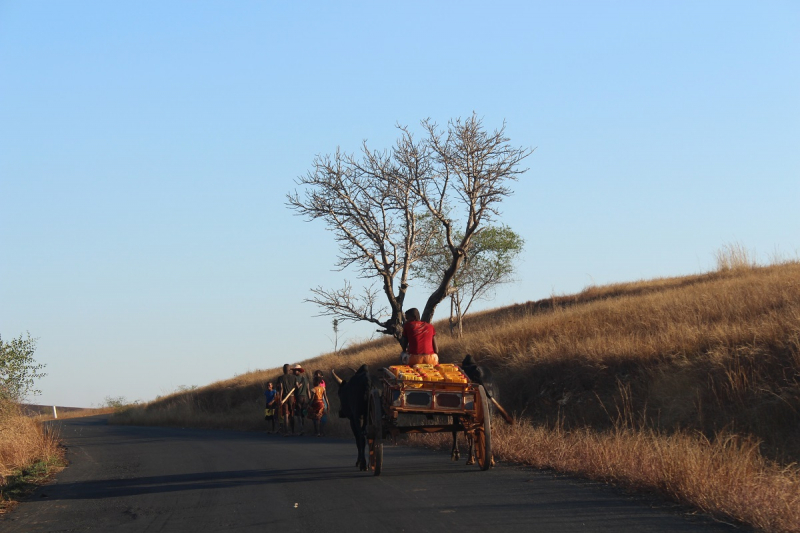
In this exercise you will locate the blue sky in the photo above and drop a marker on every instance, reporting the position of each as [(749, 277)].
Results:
[(146, 149)]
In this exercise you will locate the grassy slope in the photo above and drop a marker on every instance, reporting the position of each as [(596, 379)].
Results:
[(703, 369)]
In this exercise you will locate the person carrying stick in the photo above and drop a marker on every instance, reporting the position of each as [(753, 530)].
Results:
[(287, 384)]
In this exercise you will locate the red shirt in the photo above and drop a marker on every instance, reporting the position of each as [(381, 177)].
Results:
[(420, 337)]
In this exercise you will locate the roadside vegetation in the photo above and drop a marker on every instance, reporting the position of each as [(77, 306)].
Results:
[(29, 453), (688, 387)]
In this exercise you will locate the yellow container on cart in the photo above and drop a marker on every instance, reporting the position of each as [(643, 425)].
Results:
[(410, 379), (431, 375), (455, 377), (396, 369)]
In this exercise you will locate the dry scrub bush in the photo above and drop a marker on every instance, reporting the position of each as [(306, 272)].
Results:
[(23, 442), (734, 256)]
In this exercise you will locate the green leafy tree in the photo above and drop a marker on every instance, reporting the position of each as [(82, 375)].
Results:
[(18, 369), (373, 204), (489, 262)]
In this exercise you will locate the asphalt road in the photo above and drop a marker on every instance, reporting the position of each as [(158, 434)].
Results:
[(187, 480)]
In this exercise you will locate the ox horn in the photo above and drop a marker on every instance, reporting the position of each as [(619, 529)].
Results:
[(337, 378)]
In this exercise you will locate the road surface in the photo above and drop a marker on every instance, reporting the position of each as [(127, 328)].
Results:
[(146, 479)]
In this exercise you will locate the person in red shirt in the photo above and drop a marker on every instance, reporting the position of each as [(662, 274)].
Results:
[(318, 405), (419, 340)]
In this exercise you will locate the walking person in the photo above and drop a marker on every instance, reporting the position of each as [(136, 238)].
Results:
[(287, 385), (324, 421), (318, 405), (302, 395)]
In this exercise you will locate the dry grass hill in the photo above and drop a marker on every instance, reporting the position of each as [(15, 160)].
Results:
[(686, 386)]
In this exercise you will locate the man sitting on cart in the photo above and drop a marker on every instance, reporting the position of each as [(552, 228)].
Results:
[(419, 340)]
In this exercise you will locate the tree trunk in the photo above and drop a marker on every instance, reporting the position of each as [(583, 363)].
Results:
[(452, 320), (459, 326), (441, 291)]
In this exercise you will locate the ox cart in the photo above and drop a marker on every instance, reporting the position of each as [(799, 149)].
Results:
[(465, 403)]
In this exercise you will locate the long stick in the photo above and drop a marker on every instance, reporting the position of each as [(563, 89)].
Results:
[(287, 396), (502, 412)]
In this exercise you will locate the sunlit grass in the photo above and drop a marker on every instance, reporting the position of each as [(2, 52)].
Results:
[(28, 453)]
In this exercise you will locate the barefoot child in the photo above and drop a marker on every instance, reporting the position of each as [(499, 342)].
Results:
[(272, 400)]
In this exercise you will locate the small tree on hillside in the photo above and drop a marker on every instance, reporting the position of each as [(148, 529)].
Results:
[(489, 262), (338, 344), (18, 369), (375, 203)]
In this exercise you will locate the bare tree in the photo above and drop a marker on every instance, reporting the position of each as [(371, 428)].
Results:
[(374, 203)]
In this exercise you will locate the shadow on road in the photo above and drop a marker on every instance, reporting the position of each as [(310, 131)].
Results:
[(114, 488)]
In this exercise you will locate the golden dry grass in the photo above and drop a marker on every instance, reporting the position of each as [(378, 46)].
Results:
[(686, 386), (726, 477), (712, 353), (24, 442)]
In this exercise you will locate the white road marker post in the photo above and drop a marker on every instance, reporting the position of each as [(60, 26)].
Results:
[(55, 413)]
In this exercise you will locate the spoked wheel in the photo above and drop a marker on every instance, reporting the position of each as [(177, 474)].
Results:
[(483, 433), (375, 432)]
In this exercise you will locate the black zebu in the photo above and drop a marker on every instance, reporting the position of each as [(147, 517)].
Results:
[(353, 400)]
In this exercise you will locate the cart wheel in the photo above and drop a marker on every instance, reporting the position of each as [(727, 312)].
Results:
[(375, 433), (483, 433)]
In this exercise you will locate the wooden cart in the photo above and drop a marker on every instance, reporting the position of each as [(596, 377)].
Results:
[(466, 401)]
